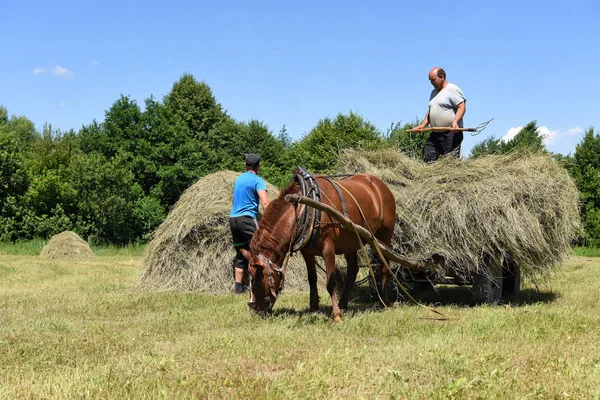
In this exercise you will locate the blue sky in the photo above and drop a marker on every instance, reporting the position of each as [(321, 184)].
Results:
[(293, 63)]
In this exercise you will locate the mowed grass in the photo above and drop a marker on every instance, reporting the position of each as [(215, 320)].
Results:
[(73, 329)]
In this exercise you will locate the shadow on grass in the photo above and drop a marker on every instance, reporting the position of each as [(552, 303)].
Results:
[(462, 296), (364, 300)]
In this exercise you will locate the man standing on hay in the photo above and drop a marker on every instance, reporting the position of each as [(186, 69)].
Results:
[(447, 106), (248, 190)]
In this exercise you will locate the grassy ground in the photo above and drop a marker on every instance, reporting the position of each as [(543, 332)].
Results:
[(76, 330)]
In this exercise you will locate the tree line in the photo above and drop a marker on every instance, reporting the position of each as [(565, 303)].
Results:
[(113, 182)]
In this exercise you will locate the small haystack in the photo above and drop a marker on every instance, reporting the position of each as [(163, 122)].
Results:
[(525, 206), (67, 245), (192, 249)]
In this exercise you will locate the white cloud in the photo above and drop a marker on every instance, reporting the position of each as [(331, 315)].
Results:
[(62, 103), (548, 135), (39, 70), (60, 71), (95, 63), (512, 132), (574, 131)]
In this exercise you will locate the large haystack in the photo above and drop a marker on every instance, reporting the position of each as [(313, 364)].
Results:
[(192, 249), (525, 206), (67, 245)]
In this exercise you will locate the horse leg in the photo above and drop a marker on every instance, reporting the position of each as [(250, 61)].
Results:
[(329, 256), (312, 280), (352, 262)]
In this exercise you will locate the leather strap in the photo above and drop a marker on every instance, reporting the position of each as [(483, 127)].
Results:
[(340, 194)]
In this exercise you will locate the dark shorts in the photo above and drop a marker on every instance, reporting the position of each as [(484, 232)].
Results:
[(442, 143), (242, 230)]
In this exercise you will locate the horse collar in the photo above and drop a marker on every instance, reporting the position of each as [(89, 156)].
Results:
[(308, 222)]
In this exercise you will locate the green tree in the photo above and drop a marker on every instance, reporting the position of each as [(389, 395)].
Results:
[(50, 200), (111, 207), (585, 169), (122, 127), (3, 115), (13, 184), (52, 150), (13, 173), (487, 146), (527, 139), (17, 135), (318, 150), (284, 137), (229, 140), (257, 138), (165, 158), (225, 145), (410, 143), (194, 103)]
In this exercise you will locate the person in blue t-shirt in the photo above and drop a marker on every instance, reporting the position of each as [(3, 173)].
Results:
[(248, 190)]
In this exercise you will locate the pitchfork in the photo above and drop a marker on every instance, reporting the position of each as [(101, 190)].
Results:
[(476, 131)]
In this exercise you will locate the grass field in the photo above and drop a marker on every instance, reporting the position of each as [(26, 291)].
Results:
[(76, 330)]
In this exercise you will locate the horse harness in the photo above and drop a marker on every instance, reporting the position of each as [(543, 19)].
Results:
[(308, 223)]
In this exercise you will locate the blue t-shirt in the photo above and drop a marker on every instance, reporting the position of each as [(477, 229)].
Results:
[(245, 195)]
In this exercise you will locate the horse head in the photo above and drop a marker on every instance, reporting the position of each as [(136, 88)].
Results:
[(268, 249), (267, 282)]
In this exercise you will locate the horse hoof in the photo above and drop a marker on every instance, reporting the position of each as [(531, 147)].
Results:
[(313, 308), (338, 320)]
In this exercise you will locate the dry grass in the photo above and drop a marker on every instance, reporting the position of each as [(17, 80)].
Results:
[(192, 249), (67, 245), (525, 206)]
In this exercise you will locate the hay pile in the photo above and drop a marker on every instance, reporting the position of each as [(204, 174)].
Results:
[(192, 249), (67, 245), (525, 206)]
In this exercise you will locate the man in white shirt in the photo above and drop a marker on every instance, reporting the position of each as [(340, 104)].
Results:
[(447, 106)]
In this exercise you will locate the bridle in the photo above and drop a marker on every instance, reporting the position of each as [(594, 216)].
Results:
[(271, 268)]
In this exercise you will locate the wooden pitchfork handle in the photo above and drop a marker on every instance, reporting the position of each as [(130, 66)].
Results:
[(442, 129), (477, 129)]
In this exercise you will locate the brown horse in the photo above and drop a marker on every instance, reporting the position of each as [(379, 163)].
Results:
[(376, 211)]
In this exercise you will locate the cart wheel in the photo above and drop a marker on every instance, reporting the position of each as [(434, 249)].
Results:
[(487, 284), (511, 278), (422, 283)]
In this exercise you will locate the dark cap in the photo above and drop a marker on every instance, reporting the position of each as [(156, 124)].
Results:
[(252, 160)]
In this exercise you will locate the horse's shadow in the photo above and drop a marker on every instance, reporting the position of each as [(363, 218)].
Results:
[(365, 300)]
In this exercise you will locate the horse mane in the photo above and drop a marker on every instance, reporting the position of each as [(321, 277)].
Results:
[(267, 237)]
